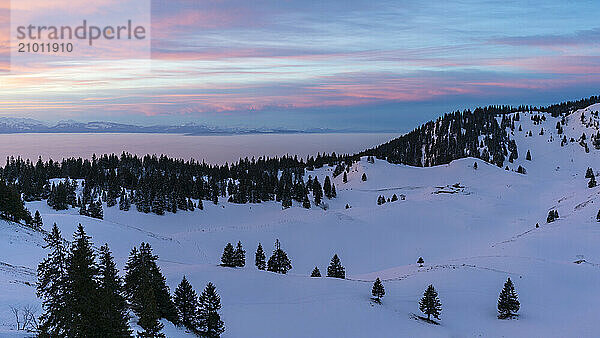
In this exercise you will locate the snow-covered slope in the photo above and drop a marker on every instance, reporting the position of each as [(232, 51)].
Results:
[(473, 227)]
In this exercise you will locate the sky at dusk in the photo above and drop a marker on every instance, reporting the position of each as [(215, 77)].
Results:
[(368, 65)]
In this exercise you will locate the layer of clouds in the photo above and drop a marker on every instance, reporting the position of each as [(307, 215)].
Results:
[(219, 60)]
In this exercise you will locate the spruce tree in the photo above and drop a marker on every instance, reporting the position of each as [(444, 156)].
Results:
[(364, 177), (37, 220), (378, 290), (589, 173), (82, 290), (12, 206), (186, 302), (141, 271), (148, 315), (239, 255), (317, 191), (306, 202), (259, 258), (210, 323), (279, 261), (592, 183), (316, 272), (327, 187), (335, 268), (430, 303), (228, 257), (508, 302), (95, 210), (83, 210), (598, 216), (333, 191), (420, 261), (51, 286), (114, 319), (552, 216), (528, 156), (345, 178)]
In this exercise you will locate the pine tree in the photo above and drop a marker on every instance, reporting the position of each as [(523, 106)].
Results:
[(333, 191), (475, 165), (589, 173), (259, 258), (327, 187), (345, 178), (364, 177), (82, 290), (51, 286), (335, 268), (528, 156), (239, 255), (279, 262), (430, 303), (306, 202), (186, 302), (114, 319), (420, 261), (37, 220), (592, 183), (508, 303), (142, 271), (394, 198), (378, 290), (317, 191), (598, 216), (552, 216), (148, 315), (12, 206), (210, 323), (95, 210), (316, 272), (228, 257), (83, 210)]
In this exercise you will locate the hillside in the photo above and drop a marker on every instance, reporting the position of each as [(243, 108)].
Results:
[(473, 227)]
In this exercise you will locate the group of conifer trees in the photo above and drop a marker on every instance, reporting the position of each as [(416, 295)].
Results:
[(12, 207), (453, 136), (163, 184), (430, 304), (199, 314), (233, 257), (590, 174), (381, 199), (456, 135), (278, 262), (84, 296), (334, 270), (160, 185)]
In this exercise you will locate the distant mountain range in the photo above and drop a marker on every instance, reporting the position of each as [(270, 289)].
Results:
[(9, 125)]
